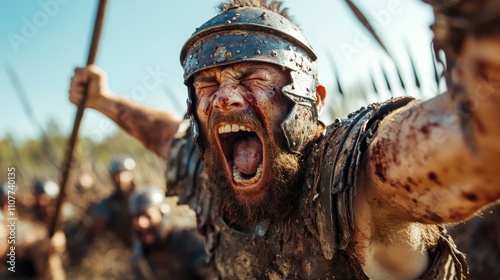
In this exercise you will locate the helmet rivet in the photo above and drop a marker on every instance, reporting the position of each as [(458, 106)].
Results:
[(233, 18), (274, 53), (257, 52), (228, 21), (237, 51), (263, 16), (245, 40)]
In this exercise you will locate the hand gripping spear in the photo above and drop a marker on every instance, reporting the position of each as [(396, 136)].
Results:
[(68, 158)]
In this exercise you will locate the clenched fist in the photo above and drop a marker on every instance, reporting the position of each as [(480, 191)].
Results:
[(97, 89)]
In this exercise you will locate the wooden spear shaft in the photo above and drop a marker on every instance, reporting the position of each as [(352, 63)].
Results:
[(68, 158)]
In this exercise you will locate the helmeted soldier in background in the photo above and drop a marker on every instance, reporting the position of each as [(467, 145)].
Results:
[(39, 256), (112, 214), (44, 193), (163, 250)]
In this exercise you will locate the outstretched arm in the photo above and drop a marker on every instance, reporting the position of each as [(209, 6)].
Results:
[(154, 128), (438, 161), (429, 163)]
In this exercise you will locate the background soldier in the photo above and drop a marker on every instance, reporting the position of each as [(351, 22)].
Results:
[(162, 250), (37, 255), (112, 213), (280, 195), (44, 193)]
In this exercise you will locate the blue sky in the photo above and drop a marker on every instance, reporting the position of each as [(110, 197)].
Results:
[(44, 40)]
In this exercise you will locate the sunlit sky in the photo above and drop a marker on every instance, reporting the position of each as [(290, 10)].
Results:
[(44, 40)]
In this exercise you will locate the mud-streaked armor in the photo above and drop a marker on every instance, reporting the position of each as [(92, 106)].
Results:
[(314, 241)]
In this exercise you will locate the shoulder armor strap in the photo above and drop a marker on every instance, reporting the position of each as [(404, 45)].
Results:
[(342, 148), (183, 166), (187, 179)]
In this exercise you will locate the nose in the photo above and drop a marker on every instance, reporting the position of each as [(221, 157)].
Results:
[(227, 99)]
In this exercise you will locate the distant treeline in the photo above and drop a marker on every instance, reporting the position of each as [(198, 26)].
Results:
[(41, 158)]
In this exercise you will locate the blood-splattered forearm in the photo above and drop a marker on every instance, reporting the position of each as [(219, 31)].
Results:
[(423, 162), (153, 127)]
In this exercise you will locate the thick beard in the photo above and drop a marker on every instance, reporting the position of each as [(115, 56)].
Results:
[(281, 185)]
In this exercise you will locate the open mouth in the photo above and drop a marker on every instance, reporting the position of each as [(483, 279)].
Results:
[(243, 152)]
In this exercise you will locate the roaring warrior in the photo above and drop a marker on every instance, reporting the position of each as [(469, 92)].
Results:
[(280, 195)]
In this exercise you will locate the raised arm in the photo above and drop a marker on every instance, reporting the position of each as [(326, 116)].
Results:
[(439, 161), (154, 128)]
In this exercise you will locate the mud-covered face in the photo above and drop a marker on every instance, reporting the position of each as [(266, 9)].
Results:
[(240, 108)]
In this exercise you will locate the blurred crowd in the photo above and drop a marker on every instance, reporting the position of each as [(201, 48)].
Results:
[(132, 233)]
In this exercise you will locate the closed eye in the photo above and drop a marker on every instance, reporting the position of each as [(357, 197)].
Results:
[(256, 79), (205, 87)]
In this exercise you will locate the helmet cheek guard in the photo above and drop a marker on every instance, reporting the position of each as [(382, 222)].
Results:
[(251, 34)]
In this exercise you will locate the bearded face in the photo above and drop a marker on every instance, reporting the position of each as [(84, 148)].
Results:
[(240, 108)]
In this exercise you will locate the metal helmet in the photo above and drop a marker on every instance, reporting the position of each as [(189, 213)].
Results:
[(147, 197), (246, 34), (121, 163), (49, 188)]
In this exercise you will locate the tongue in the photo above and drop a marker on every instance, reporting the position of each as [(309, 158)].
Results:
[(248, 155)]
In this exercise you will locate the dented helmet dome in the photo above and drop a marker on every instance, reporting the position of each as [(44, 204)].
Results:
[(254, 34), (246, 34)]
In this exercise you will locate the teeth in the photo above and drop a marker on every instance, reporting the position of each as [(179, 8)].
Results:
[(238, 177), (232, 128)]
